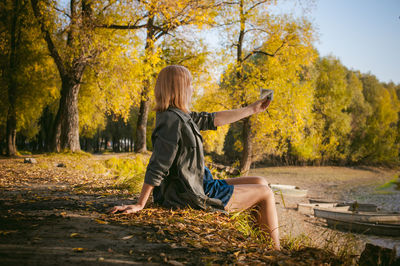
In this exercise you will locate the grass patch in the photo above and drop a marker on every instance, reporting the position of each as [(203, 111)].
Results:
[(129, 171), (24, 153), (296, 243), (80, 161), (245, 222), (394, 182)]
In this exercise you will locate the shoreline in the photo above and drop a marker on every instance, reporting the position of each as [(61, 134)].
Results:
[(332, 183)]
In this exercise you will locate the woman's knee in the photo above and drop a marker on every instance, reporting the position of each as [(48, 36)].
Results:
[(268, 192), (261, 181)]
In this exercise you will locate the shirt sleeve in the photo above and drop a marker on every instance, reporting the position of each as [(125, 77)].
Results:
[(166, 136), (204, 120)]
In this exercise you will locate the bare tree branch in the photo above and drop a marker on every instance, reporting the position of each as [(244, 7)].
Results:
[(255, 5), (258, 52), (266, 53), (122, 27), (62, 12)]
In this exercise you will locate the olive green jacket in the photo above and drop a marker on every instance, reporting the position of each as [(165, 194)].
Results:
[(176, 167)]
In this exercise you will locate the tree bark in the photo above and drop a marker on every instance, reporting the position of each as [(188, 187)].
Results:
[(140, 144), (11, 131), (70, 120), (46, 128), (66, 126), (246, 159)]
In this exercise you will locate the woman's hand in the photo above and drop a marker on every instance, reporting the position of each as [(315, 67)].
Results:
[(144, 195), (260, 105), (126, 209)]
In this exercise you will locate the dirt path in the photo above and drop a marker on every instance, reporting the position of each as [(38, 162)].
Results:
[(49, 225)]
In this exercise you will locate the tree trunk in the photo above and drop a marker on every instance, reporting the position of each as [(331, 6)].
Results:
[(11, 132), (97, 139), (66, 126), (131, 144), (246, 160), (140, 143)]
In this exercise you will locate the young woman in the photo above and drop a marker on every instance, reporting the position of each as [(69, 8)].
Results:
[(176, 173)]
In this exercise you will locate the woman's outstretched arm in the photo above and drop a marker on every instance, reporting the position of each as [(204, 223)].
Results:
[(230, 116), (144, 196)]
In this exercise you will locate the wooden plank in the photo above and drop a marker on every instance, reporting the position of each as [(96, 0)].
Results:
[(365, 228), (341, 214), (308, 208)]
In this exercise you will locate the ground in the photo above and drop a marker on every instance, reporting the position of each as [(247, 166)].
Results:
[(55, 212)]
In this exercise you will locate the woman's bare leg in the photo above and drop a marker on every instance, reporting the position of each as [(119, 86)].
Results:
[(247, 180), (248, 195)]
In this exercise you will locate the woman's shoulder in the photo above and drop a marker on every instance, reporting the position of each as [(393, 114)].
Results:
[(173, 114)]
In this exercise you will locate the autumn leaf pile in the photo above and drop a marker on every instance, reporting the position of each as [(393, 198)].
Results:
[(216, 235)]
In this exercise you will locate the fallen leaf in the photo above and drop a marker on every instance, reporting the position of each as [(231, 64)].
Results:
[(78, 249), (127, 237), (74, 235), (215, 249), (175, 263), (100, 221), (8, 232)]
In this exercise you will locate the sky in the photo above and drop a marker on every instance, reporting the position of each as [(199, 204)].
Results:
[(363, 34)]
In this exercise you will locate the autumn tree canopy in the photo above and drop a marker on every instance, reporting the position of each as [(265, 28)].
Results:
[(81, 73)]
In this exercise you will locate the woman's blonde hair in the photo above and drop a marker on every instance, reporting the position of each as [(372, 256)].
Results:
[(173, 88)]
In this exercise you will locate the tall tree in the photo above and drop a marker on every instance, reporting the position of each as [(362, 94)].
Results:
[(159, 19), (26, 72), (71, 62), (379, 140), (359, 110), (254, 32), (15, 32), (75, 38), (332, 100)]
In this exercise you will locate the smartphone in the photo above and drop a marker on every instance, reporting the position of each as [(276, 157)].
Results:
[(266, 93)]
